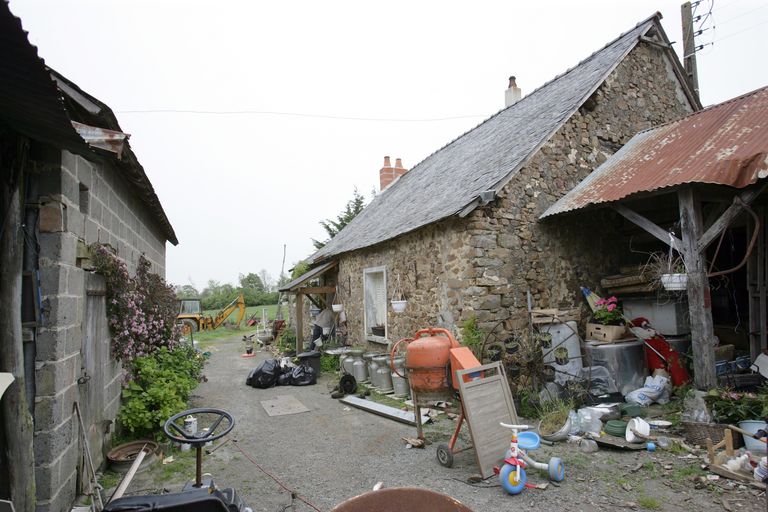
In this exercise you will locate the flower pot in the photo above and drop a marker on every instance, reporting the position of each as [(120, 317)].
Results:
[(337, 308), (605, 333), (398, 306), (674, 282), (752, 426)]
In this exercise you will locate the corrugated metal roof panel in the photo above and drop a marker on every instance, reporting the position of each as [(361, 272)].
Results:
[(726, 144), (30, 102)]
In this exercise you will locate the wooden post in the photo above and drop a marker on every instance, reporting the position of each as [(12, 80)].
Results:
[(689, 47), (299, 323), (699, 299), (16, 420)]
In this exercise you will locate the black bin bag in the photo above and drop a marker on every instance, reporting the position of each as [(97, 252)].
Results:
[(265, 375), (303, 376)]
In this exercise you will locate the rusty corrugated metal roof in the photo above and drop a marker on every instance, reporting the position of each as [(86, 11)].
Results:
[(726, 144)]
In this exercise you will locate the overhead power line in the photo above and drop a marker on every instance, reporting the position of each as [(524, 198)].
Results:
[(294, 114)]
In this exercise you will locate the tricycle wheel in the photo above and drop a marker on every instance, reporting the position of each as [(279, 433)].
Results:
[(556, 469), (444, 455), (510, 480)]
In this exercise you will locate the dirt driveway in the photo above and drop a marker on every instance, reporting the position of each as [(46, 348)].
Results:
[(333, 453)]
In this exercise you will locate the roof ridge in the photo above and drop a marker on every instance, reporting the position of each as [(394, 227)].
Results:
[(655, 16)]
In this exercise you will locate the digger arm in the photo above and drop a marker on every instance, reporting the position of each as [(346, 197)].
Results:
[(238, 303)]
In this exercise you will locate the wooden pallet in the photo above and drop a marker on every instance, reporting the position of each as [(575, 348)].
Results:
[(487, 401)]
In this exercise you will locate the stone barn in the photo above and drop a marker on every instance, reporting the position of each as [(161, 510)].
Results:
[(458, 234)]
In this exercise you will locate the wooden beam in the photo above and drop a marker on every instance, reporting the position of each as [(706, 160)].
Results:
[(699, 298), (15, 418), (299, 323), (647, 225), (730, 214), (317, 289)]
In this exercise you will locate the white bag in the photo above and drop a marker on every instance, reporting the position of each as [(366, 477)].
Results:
[(655, 389)]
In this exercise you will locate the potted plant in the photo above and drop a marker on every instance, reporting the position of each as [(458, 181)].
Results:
[(667, 269), (741, 408), (398, 299), (608, 321)]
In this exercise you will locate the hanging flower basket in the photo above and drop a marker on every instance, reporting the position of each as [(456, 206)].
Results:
[(674, 282), (337, 308), (398, 306)]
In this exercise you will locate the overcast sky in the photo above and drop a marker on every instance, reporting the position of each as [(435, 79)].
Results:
[(345, 84)]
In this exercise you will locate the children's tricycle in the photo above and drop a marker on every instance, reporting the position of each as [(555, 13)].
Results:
[(512, 473)]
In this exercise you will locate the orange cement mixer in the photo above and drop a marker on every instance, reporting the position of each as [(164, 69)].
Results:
[(432, 357)]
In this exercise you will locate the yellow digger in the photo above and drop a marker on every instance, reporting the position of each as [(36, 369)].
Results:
[(192, 319)]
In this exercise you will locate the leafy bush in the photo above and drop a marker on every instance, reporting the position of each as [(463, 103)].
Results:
[(328, 363), (287, 340), (160, 387), (472, 336), (734, 406)]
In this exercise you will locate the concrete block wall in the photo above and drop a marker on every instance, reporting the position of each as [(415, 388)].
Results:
[(80, 203)]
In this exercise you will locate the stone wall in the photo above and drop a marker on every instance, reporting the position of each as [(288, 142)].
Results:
[(80, 203), (483, 265)]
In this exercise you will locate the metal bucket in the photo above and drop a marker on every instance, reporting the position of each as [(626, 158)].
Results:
[(404, 499)]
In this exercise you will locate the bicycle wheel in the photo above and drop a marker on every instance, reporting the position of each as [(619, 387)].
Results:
[(510, 480)]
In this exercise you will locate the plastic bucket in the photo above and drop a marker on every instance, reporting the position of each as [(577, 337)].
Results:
[(639, 425), (752, 426)]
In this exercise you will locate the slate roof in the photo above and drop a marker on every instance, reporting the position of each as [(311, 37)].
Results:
[(449, 181), (726, 144)]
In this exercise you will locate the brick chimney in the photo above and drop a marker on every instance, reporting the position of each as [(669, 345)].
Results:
[(388, 174), (513, 93)]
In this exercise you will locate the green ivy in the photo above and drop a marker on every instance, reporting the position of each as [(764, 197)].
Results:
[(159, 388), (328, 363)]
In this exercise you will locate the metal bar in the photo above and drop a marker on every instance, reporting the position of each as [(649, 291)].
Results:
[(455, 436), (199, 466), (407, 417)]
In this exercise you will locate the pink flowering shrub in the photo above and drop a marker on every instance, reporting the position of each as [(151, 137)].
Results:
[(141, 310), (608, 312)]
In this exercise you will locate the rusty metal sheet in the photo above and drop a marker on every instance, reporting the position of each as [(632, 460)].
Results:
[(108, 140), (726, 144)]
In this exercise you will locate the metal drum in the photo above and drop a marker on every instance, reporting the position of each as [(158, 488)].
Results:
[(383, 378), (400, 384), (625, 362), (360, 368)]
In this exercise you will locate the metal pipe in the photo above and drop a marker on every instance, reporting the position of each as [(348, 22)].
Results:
[(199, 466)]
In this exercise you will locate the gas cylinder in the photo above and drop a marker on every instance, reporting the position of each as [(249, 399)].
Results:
[(427, 359)]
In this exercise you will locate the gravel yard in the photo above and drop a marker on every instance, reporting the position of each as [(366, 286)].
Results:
[(333, 453)]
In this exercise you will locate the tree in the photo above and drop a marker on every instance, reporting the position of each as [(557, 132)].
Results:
[(266, 279), (251, 281), (350, 211), (186, 291)]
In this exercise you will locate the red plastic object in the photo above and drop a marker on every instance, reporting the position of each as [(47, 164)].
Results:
[(671, 358)]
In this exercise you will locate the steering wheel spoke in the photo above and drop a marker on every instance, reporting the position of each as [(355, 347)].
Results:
[(177, 433)]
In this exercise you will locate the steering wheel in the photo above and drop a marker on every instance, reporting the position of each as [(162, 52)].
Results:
[(202, 436)]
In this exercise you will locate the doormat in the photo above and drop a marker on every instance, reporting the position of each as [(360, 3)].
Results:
[(282, 405)]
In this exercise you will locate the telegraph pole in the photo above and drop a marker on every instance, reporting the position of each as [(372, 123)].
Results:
[(689, 47)]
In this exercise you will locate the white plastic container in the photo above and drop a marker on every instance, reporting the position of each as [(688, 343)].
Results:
[(640, 426), (752, 426)]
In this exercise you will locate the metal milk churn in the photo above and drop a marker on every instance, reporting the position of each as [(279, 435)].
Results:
[(359, 368), (374, 370), (383, 375), (368, 358), (402, 388), (349, 360)]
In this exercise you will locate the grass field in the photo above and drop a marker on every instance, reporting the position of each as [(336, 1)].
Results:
[(224, 331)]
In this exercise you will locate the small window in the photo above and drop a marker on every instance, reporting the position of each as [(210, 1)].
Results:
[(375, 293), (84, 199)]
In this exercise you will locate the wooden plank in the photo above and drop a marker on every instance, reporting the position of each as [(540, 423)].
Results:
[(646, 225), (623, 280), (699, 298), (730, 214), (487, 402), (407, 417), (317, 289)]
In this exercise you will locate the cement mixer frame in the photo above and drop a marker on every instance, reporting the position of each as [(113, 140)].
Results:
[(439, 369)]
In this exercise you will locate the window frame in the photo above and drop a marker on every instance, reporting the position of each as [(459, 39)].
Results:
[(367, 332)]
